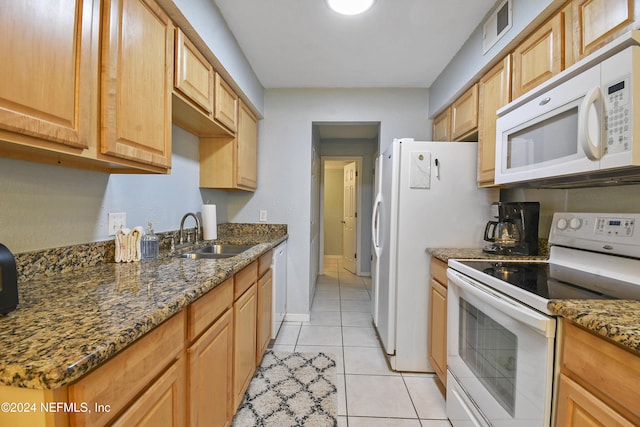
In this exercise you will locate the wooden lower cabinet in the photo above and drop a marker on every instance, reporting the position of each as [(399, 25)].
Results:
[(132, 372), (265, 298), (210, 375), (438, 319), (162, 404), (245, 311), (193, 369), (579, 408), (598, 381)]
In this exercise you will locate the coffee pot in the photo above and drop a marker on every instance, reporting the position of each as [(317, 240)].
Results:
[(514, 230), (503, 233)]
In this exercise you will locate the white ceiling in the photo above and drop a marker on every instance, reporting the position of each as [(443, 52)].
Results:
[(398, 43)]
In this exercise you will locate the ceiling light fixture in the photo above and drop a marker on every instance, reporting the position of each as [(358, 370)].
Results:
[(350, 7)]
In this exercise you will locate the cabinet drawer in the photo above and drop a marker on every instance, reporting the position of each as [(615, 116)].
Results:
[(439, 271), (608, 371), (245, 278), (122, 378), (264, 263), (207, 309)]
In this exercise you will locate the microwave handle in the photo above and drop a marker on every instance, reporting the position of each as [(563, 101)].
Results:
[(593, 149)]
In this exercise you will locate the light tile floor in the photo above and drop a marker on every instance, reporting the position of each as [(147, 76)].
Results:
[(369, 393)]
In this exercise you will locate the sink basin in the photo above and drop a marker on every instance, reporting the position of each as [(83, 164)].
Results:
[(216, 251)]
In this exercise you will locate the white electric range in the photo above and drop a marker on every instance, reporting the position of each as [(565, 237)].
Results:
[(501, 336)]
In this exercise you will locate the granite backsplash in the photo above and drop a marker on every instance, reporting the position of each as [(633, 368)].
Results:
[(68, 258)]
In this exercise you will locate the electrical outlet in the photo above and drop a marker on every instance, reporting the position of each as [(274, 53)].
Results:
[(263, 216), (117, 220)]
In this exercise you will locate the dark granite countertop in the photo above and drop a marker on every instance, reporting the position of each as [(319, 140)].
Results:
[(617, 320), (68, 323), (445, 254)]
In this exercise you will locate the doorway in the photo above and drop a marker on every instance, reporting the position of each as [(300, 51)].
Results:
[(341, 200), (344, 217)]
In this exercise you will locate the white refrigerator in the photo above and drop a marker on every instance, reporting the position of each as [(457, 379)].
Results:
[(426, 197)]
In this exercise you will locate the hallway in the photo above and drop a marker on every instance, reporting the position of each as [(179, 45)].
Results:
[(369, 393)]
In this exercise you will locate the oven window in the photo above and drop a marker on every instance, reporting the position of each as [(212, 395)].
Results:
[(550, 139), (490, 351)]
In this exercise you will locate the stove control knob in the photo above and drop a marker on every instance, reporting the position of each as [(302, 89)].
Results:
[(575, 223), (561, 224)]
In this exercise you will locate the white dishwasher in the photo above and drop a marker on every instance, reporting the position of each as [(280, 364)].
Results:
[(279, 305)]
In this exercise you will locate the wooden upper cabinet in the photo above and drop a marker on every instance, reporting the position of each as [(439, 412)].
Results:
[(442, 126), (247, 173), (193, 74), (494, 92), (226, 104), (539, 57), (597, 22), (464, 113), (45, 78), (136, 81)]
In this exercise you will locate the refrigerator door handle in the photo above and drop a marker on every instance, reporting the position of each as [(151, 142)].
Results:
[(375, 224)]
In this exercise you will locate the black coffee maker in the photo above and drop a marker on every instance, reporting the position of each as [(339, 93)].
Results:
[(515, 230)]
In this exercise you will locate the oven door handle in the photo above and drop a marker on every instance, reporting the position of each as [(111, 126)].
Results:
[(537, 321)]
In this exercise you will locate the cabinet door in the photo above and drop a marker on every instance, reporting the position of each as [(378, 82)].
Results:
[(226, 104), (438, 330), (265, 297), (45, 78), (494, 92), (464, 113), (597, 22), (193, 74), (245, 311), (210, 392), (162, 404), (539, 57), (579, 408), (247, 138), (136, 81), (442, 126)]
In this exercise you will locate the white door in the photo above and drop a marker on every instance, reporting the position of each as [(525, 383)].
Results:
[(349, 218)]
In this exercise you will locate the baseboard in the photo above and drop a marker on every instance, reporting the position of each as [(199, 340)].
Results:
[(294, 317)]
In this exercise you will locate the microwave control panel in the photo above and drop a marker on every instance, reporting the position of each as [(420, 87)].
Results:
[(618, 117)]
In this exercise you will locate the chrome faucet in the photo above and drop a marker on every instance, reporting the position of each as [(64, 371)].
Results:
[(198, 227)]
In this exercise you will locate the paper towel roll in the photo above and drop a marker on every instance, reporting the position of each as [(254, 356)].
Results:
[(209, 222)]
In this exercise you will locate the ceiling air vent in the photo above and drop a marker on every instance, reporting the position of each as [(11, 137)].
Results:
[(498, 23)]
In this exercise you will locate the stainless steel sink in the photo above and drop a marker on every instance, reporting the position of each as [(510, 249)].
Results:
[(216, 251)]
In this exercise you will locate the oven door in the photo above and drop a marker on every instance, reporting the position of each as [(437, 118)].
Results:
[(500, 357)]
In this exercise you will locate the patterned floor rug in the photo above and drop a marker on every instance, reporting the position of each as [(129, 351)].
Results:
[(291, 389)]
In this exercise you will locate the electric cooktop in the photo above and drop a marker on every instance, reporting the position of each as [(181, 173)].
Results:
[(551, 281)]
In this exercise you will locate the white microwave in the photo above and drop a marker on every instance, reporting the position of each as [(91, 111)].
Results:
[(580, 130)]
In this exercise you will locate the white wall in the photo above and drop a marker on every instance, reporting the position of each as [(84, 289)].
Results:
[(284, 155), (46, 206), (206, 19), (469, 60)]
